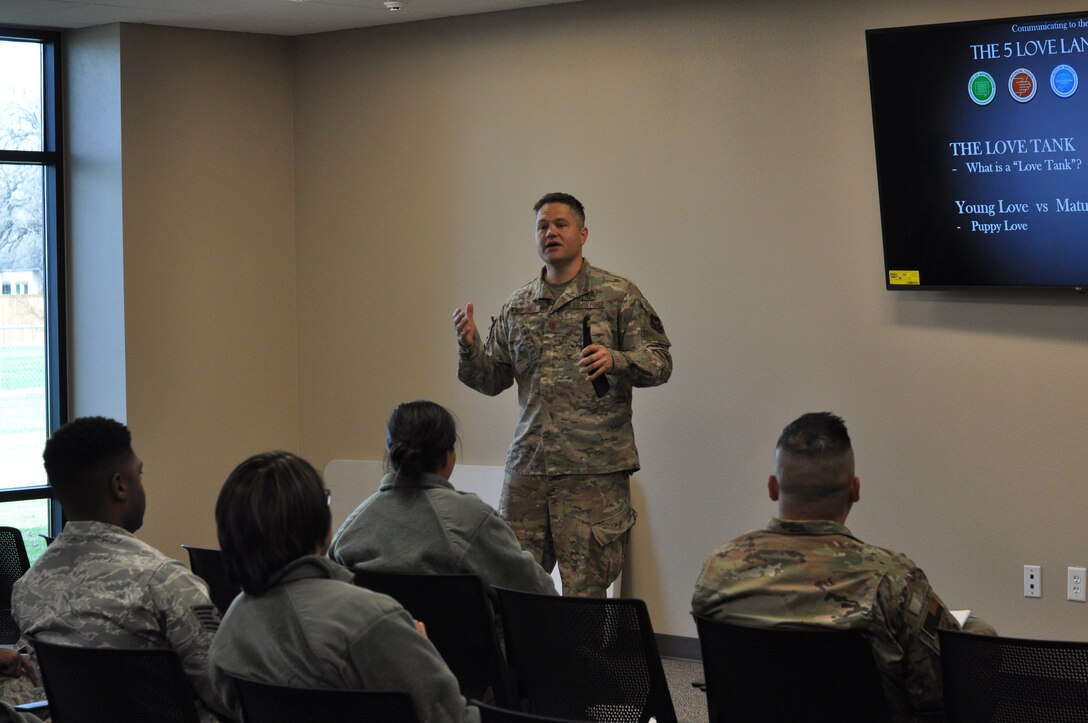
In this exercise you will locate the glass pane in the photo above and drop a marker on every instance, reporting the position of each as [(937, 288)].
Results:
[(23, 403), (32, 517), (21, 96)]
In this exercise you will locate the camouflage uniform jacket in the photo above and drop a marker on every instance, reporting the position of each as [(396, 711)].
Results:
[(97, 585), (313, 628), (537, 341), (805, 573), (424, 526)]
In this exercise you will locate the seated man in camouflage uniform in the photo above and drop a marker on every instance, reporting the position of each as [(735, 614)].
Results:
[(807, 569), (97, 585)]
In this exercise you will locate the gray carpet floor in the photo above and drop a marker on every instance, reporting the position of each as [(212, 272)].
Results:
[(690, 703)]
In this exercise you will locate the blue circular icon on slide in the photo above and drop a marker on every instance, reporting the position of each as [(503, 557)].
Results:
[(1063, 81)]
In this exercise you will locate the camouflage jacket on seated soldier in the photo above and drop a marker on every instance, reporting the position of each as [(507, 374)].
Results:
[(536, 341), (97, 585), (805, 573)]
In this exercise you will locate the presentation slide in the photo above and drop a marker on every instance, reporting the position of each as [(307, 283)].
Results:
[(981, 133)]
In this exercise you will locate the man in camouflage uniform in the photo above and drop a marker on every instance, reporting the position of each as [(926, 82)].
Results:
[(99, 586), (567, 493), (807, 569)]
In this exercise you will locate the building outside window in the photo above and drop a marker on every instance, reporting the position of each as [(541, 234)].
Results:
[(33, 396)]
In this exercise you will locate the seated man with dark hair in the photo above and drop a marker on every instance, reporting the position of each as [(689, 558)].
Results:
[(99, 586), (807, 569)]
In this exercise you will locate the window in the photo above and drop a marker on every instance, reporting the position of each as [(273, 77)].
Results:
[(33, 395)]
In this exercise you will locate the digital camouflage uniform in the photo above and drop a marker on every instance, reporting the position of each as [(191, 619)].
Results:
[(99, 586), (17, 691), (800, 574), (572, 453)]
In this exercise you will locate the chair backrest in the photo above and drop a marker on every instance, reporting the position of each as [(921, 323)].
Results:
[(207, 564), (112, 685), (1012, 679), (264, 703), (494, 714), (585, 658), (831, 674), (13, 563), (459, 622)]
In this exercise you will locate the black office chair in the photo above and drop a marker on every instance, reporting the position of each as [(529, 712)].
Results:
[(112, 685), (13, 564), (1012, 679), (459, 622), (494, 714), (585, 658), (265, 703), (831, 675), (207, 564)]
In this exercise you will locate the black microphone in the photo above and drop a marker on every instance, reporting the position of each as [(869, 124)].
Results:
[(600, 384)]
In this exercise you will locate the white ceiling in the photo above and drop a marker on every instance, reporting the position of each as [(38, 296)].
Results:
[(275, 17)]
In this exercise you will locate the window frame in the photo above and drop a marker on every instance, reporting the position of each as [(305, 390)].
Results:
[(51, 159)]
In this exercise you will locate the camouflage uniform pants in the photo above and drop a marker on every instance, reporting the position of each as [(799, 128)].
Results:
[(579, 521)]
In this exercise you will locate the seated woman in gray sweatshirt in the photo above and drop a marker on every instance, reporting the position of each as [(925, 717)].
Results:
[(300, 621), (418, 523)]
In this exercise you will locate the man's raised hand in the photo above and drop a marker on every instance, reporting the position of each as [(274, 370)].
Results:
[(464, 325)]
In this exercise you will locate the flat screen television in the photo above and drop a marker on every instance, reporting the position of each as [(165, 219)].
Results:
[(981, 134)]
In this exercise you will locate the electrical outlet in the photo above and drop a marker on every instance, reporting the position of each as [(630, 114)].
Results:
[(1033, 581), (1075, 584)]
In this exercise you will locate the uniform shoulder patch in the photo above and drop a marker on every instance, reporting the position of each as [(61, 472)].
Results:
[(931, 620)]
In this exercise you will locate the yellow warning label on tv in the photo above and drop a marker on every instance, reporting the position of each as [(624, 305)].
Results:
[(903, 278)]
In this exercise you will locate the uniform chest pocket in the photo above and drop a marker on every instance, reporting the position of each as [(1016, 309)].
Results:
[(526, 330), (602, 327)]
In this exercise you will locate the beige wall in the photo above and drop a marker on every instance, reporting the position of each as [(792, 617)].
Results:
[(724, 152), (209, 343), (210, 260)]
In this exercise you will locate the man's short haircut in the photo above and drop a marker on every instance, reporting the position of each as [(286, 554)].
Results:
[(814, 456), (575, 205), (80, 457), (418, 436), (816, 434), (271, 511)]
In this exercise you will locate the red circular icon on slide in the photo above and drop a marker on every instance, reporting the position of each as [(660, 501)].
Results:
[(1022, 85)]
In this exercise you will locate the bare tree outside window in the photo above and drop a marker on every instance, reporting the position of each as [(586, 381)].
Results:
[(24, 204)]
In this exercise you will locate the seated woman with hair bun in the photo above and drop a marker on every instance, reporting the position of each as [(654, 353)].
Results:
[(418, 523), (300, 621)]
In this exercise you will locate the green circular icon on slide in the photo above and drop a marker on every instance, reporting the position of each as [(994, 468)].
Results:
[(981, 88)]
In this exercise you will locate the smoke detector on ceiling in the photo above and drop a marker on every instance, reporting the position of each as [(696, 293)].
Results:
[(395, 5)]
